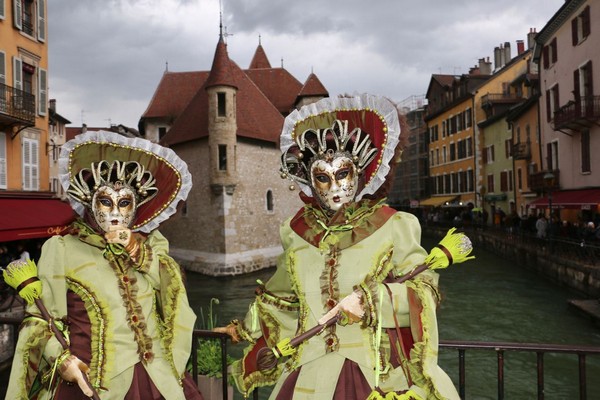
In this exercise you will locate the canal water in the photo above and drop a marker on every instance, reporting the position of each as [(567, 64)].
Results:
[(487, 299)]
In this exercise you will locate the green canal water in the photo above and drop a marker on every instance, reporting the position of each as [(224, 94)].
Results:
[(487, 299)]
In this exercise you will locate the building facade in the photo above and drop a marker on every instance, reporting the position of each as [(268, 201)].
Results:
[(226, 127), (569, 68)]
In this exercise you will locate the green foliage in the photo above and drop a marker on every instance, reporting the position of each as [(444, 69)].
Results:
[(209, 350)]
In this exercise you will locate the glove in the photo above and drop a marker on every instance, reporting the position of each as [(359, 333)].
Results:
[(231, 330), (351, 307), (123, 236), (72, 370)]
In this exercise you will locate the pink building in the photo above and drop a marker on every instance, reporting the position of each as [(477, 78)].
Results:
[(566, 50)]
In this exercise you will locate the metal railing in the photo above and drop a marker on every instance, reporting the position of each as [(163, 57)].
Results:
[(575, 113), (539, 349), (17, 104), (462, 346)]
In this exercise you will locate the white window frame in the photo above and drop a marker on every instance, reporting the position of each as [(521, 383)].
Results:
[(17, 73), (30, 164), (2, 10)]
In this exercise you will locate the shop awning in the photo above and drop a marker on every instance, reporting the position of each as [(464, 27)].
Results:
[(33, 218), (437, 201), (583, 199)]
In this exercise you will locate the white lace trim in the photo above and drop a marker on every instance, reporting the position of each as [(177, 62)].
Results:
[(359, 101), (137, 143)]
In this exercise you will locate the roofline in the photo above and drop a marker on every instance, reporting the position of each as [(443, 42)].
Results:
[(558, 19)]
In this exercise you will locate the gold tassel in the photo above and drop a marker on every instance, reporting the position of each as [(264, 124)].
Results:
[(22, 276), (377, 394)]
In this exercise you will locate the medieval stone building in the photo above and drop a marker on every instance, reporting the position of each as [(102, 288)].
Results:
[(225, 123)]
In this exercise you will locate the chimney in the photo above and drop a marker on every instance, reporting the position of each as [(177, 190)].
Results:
[(502, 57), (474, 70), (52, 105), (520, 47), (485, 67), (496, 57), (531, 38), (507, 55)]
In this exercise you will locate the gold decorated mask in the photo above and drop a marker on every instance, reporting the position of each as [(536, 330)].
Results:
[(114, 206), (334, 181)]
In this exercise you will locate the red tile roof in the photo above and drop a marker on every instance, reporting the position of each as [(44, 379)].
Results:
[(257, 118), (278, 85), (260, 59), (313, 87), (220, 72), (174, 92)]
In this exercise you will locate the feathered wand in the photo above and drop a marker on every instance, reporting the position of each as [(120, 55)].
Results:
[(454, 248), (22, 276)]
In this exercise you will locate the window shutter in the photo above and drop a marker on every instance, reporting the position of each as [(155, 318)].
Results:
[(503, 181), (585, 151), (42, 92), (34, 165), (549, 156), (548, 106), (2, 14), (576, 92), (492, 153), (556, 98), (18, 14), (554, 51), (589, 75), (17, 73), (26, 164), (585, 22), (546, 52), (574, 37), (484, 156), (3, 172), (2, 67), (41, 33)]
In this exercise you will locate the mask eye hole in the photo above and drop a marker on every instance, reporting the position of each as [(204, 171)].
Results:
[(106, 202), (342, 174), (124, 203), (322, 178)]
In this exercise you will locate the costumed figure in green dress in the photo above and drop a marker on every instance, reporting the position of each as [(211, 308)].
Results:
[(110, 284), (342, 251)]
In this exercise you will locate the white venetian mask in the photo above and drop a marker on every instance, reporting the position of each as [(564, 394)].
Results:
[(114, 206), (334, 181)]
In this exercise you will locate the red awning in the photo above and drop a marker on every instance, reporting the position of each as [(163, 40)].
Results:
[(584, 199), (33, 218)]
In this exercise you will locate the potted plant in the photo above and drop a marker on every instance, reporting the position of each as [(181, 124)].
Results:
[(209, 360)]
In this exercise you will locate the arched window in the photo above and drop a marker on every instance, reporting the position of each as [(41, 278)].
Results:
[(269, 200)]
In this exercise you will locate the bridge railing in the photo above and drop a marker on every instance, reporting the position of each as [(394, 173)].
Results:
[(500, 348)]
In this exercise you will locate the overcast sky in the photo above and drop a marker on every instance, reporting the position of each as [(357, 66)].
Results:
[(107, 56)]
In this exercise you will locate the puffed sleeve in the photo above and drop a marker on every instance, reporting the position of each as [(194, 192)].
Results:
[(271, 317)]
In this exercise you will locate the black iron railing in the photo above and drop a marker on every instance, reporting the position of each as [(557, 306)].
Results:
[(17, 104), (578, 114), (462, 346)]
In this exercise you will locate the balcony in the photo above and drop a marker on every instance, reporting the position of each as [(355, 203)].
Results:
[(491, 99), (538, 184), (16, 107), (577, 115), (521, 151)]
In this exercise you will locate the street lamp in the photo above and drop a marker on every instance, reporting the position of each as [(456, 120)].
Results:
[(549, 181)]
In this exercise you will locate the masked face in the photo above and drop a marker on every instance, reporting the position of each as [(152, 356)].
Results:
[(334, 182), (113, 207)]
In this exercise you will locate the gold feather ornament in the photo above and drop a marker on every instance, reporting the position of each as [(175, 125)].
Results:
[(22, 276)]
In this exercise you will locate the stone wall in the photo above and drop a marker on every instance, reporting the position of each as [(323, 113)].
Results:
[(540, 257), (231, 231)]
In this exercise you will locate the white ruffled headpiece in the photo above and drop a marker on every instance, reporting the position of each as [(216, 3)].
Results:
[(173, 180), (384, 140)]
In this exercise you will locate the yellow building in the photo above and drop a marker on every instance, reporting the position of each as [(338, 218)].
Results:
[(449, 120), (493, 101), (23, 96), (27, 208)]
